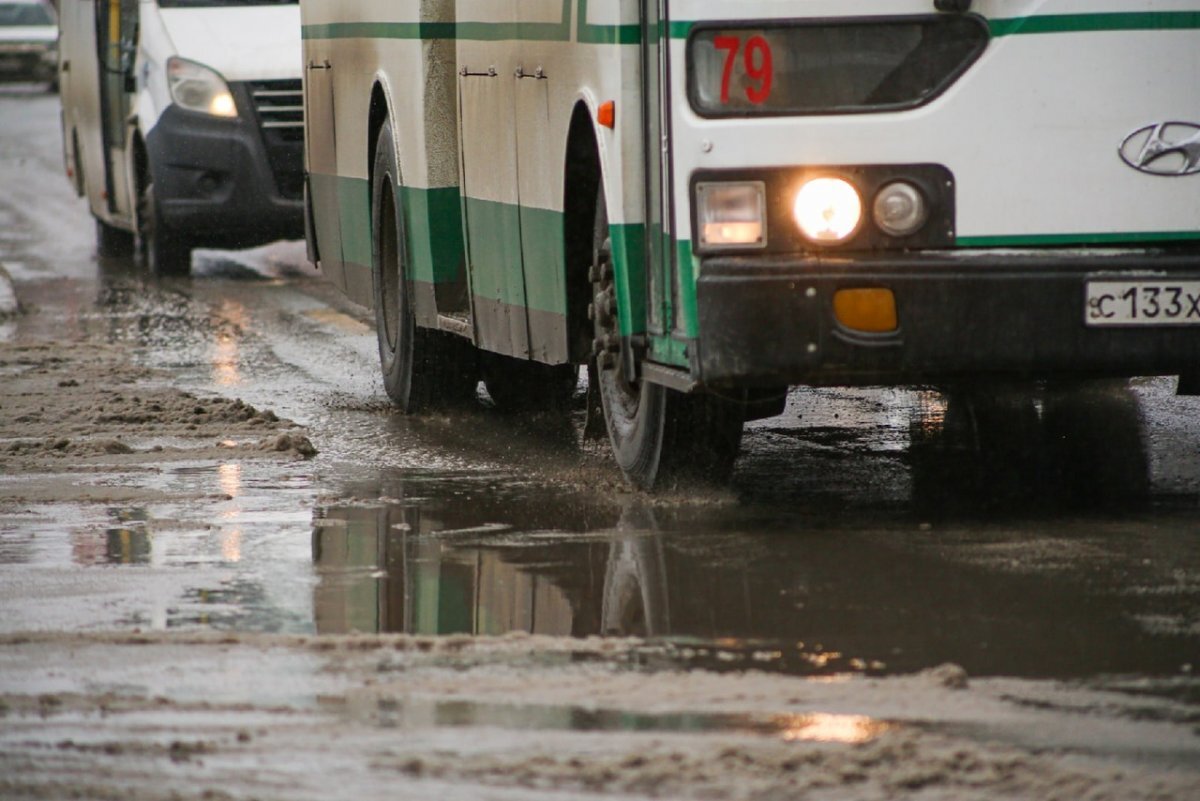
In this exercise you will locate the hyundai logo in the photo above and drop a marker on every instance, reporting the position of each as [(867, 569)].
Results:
[(1164, 148)]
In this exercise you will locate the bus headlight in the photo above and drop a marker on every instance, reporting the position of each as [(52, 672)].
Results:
[(732, 214), (900, 209), (827, 210), (195, 87)]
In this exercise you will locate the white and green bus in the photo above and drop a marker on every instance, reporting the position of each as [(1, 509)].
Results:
[(707, 203)]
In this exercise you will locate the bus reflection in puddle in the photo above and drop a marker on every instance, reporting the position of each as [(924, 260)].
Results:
[(774, 584)]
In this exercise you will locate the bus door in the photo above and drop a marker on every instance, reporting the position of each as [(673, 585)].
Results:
[(541, 229), (659, 254), (491, 201), (116, 41)]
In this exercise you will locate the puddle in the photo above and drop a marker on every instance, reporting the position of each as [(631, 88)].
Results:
[(415, 714), (732, 587)]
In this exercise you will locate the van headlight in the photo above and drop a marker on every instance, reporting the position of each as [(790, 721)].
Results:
[(195, 87), (827, 210), (732, 214)]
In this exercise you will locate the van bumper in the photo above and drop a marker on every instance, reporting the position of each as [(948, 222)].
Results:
[(962, 315), (214, 184)]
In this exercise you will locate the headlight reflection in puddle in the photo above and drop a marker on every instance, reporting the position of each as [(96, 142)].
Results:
[(826, 728)]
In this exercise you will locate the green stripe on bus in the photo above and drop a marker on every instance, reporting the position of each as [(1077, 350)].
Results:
[(668, 350), (1093, 23), (1052, 240), (354, 215), (628, 249), (1056, 23), (560, 31), (680, 29), (542, 249), (380, 30), (621, 34), (434, 217), (586, 33), (687, 287)]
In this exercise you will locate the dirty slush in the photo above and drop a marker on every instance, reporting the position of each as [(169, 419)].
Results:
[(198, 715)]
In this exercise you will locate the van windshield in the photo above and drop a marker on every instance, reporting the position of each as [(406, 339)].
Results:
[(215, 3), (24, 14)]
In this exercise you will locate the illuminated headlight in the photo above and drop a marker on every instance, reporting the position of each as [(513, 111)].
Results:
[(900, 209), (198, 88), (732, 214), (828, 210)]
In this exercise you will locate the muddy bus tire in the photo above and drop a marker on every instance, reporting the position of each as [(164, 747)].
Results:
[(163, 251), (422, 369), (660, 438)]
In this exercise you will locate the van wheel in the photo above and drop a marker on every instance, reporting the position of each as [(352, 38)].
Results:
[(422, 369), (659, 436), (520, 385), (112, 242), (163, 251)]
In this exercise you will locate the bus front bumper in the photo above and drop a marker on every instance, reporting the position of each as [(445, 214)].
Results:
[(961, 315)]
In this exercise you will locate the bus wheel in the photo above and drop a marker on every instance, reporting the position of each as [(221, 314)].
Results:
[(659, 436), (422, 369), (520, 385), (164, 252)]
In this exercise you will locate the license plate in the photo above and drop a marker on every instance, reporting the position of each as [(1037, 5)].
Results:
[(1142, 303)]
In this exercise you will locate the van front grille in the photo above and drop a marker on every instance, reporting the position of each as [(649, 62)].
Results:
[(279, 108)]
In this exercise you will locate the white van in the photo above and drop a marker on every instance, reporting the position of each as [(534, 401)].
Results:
[(183, 123)]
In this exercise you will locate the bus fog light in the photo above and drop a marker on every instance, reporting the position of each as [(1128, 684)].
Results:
[(869, 310), (732, 215), (900, 209), (828, 210)]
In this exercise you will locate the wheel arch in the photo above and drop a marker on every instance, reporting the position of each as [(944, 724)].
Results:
[(582, 181)]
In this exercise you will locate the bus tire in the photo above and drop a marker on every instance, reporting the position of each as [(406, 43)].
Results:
[(164, 252), (422, 369), (659, 437)]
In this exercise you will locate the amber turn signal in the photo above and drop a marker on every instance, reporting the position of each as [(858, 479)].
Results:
[(606, 115), (870, 310)]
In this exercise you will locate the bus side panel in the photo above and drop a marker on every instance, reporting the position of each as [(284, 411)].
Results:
[(492, 212), (539, 178)]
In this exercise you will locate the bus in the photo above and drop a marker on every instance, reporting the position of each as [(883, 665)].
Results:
[(708, 203)]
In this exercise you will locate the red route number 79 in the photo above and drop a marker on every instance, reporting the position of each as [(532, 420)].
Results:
[(756, 62)]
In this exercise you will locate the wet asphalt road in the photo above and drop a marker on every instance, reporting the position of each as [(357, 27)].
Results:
[(877, 531)]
